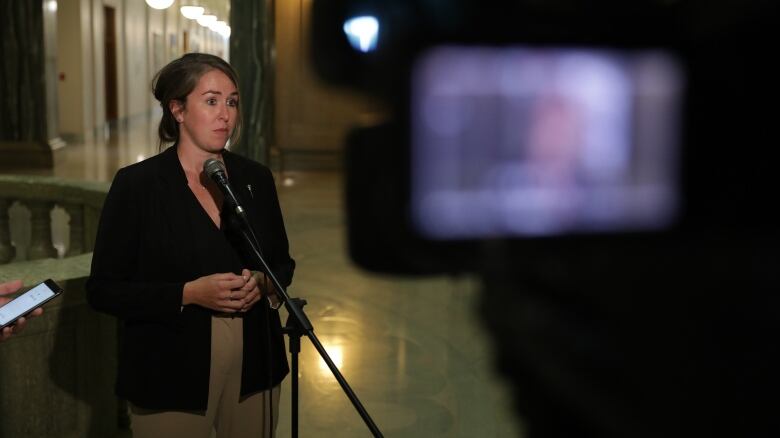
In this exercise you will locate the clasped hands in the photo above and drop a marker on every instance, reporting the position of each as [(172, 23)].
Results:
[(226, 292)]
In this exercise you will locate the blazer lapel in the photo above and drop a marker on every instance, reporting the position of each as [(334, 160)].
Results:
[(241, 182), (208, 249)]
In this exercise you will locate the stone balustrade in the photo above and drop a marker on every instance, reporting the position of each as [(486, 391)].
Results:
[(81, 201), (56, 376)]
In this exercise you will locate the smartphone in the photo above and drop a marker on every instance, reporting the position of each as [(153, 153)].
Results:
[(28, 301)]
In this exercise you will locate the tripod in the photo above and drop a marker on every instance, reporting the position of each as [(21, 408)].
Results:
[(297, 325)]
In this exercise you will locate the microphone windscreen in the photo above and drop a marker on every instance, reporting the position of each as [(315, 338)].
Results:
[(213, 166)]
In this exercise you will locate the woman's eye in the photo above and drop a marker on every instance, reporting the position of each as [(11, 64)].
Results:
[(211, 101), (232, 102)]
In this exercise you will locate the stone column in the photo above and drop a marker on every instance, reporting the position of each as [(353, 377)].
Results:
[(51, 72), (76, 222), (251, 41), (7, 251), (40, 230), (23, 133)]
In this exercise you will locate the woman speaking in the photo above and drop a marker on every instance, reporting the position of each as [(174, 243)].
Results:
[(201, 345)]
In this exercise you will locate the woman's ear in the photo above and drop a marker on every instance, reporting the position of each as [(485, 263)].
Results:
[(177, 109)]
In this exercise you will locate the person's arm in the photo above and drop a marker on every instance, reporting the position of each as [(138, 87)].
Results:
[(276, 247), (113, 286), (280, 261), (9, 288), (267, 286), (258, 286), (225, 292)]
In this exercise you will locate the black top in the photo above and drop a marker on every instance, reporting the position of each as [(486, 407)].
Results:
[(153, 237)]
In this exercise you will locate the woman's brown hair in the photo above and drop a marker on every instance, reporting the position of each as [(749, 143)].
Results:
[(177, 80)]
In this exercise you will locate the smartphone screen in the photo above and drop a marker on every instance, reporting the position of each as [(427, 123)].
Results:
[(28, 301), (533, 142)]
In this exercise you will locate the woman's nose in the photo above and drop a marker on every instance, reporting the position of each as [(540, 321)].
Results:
[(224, 114)]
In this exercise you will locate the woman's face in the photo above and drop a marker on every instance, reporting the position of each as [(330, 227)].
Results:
[(207, 119)]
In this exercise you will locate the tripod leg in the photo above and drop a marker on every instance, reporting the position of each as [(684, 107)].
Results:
[(294, 360)]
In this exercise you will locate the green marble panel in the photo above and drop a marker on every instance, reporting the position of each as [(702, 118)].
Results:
[(250, 54), (22, 80)]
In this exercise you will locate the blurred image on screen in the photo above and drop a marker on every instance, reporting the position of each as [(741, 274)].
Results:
[(544, 141)]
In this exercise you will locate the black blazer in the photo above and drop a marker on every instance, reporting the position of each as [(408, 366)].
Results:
[(153, 237)]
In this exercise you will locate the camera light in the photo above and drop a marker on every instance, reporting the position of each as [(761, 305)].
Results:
[(362, 32)]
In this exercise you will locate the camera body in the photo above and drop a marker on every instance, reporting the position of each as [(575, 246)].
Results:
[(607, 169), (560, 120)]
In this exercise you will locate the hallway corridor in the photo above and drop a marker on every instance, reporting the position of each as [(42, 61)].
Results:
[(412, 349)]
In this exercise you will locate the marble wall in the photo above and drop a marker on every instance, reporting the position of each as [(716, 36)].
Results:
[(251, 41), (22, 102), (290, 116)]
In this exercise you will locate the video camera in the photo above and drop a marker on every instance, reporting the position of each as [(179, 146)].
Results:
[(607, 169), (543, 121)]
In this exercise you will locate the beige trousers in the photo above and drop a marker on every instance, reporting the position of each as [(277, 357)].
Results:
[(226, 414)]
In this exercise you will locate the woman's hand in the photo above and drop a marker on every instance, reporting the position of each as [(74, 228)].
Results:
[(221, 292), (267, 288), (257, 286), (251, 289)]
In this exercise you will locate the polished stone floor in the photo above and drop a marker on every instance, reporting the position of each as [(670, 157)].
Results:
[(412, 349)]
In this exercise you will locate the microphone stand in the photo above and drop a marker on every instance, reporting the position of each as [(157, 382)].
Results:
[(298, 324)]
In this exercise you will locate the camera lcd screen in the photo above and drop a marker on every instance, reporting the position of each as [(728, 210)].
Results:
[(524, 142)]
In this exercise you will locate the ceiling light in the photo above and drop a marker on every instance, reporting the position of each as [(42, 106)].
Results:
[(217, 25), (205, 20), (221, 28), (192, 12), (159, 4)]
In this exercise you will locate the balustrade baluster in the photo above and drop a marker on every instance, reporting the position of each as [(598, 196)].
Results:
[(7, 251), (40, 230), (76, 213)]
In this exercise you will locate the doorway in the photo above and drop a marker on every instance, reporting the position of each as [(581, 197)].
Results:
[(109, 16)]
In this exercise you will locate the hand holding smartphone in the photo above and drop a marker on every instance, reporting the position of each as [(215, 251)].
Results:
[(27, 302)]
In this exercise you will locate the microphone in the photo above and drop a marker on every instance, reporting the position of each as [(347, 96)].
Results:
[(215, 169)]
